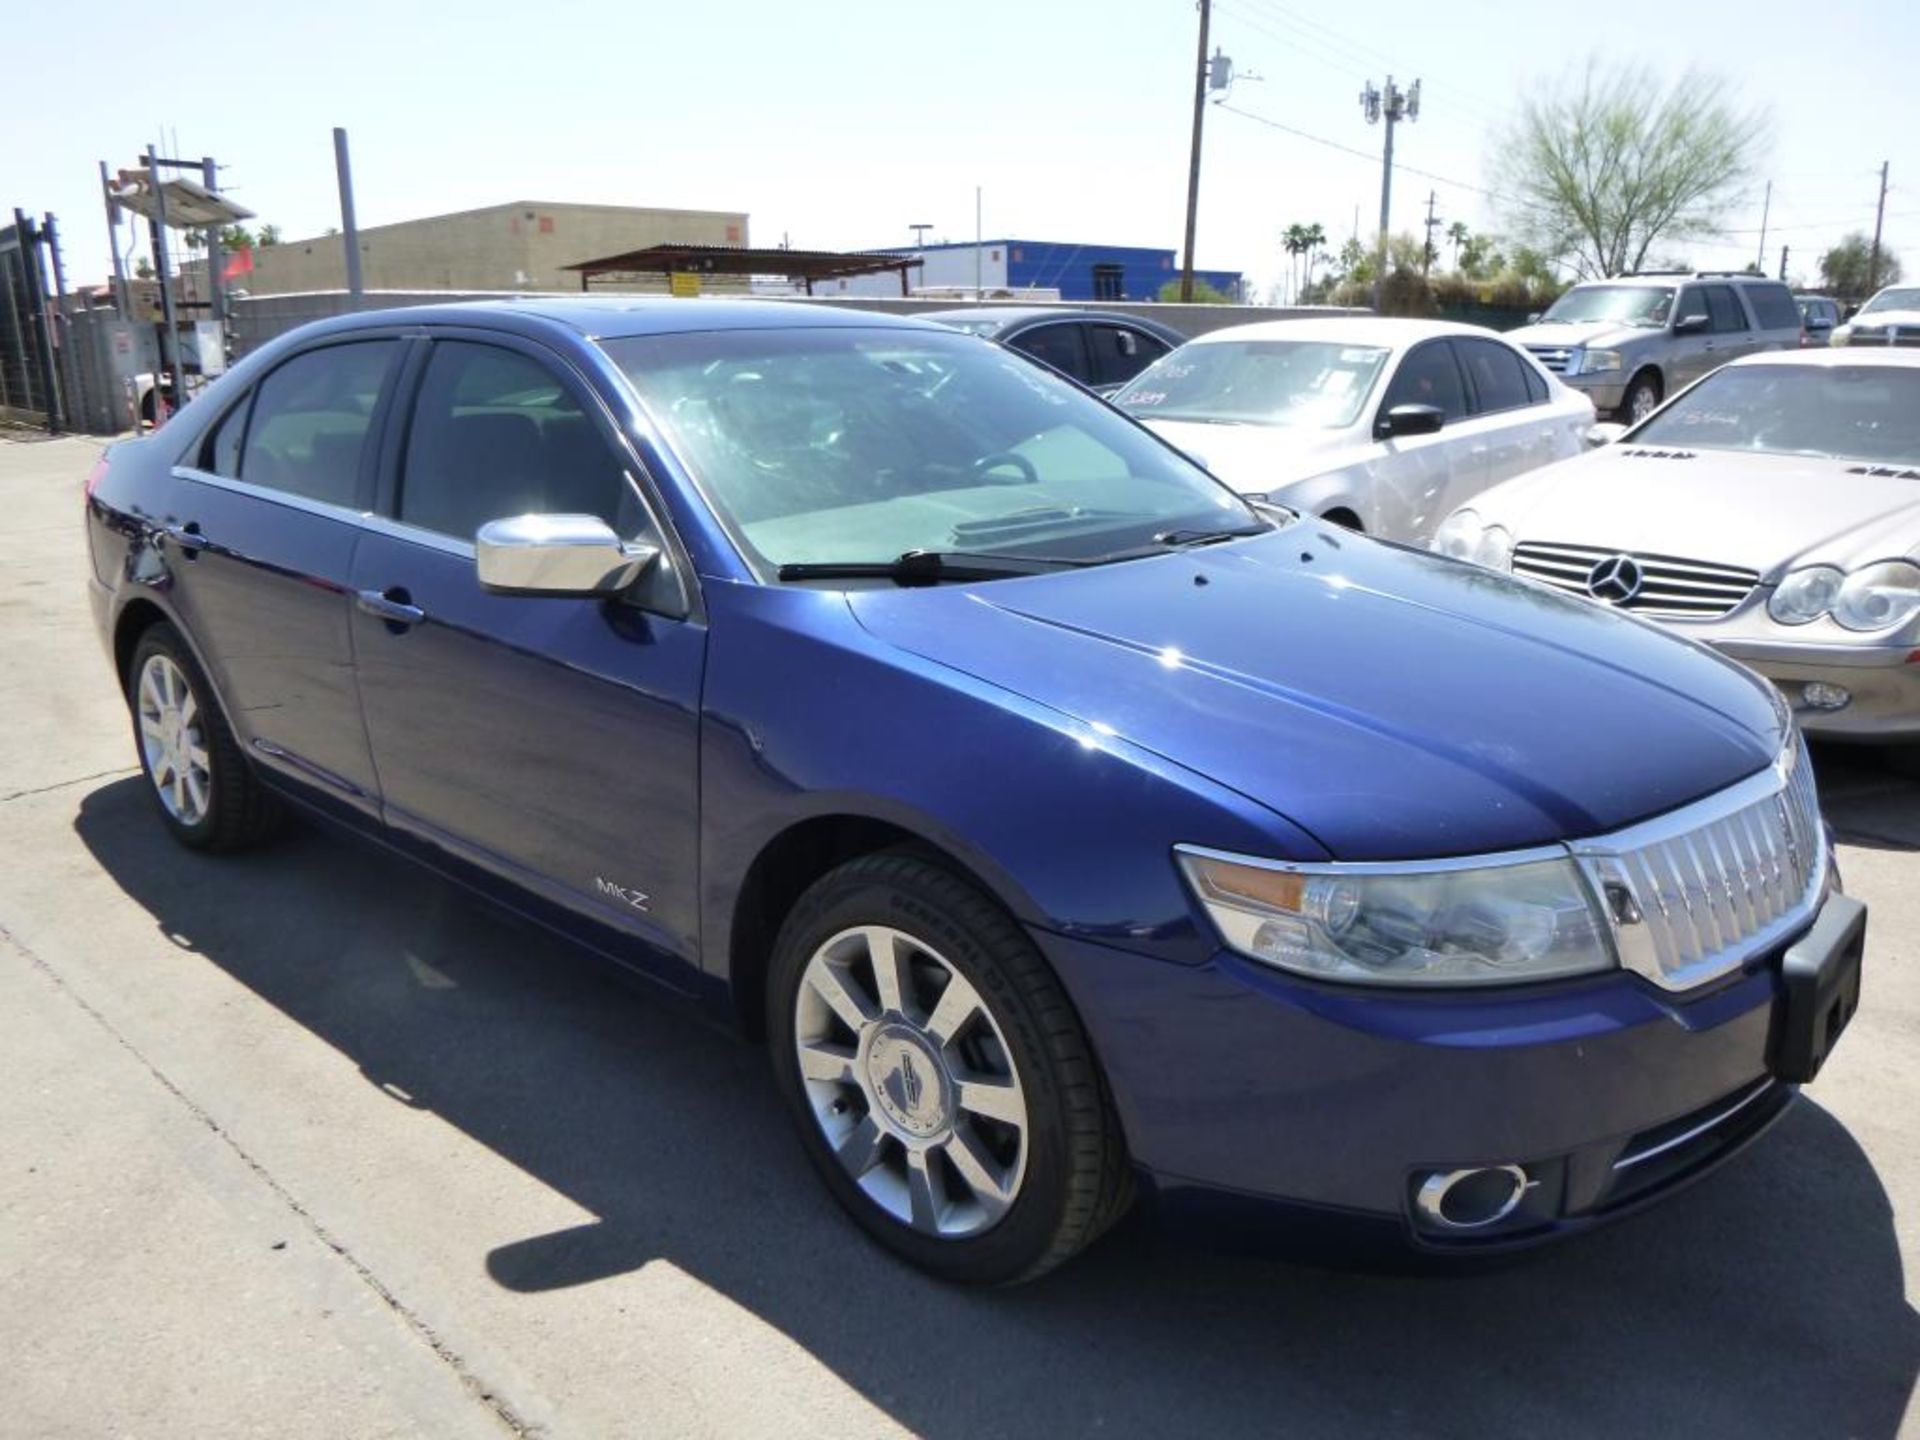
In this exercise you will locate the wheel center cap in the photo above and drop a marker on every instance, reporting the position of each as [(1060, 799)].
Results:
[(908, 1082)]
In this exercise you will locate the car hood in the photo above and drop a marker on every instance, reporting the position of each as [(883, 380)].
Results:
[(1762, 512), (1880, 319), (1256, 459), (1395, 704), (1596, 334)]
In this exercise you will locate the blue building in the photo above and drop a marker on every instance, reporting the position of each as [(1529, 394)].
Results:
[(1038, 267)]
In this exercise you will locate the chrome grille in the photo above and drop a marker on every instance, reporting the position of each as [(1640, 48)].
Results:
[(1695, 893), (1554, 357), (1683, 589)]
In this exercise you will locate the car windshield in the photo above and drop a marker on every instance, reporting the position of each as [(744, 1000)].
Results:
[(1620, 304), (844, 446), (1852, 412), (1907, 299), (1257, 382)]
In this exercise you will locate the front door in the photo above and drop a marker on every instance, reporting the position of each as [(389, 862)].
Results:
[(551, 741), (1419, 480)]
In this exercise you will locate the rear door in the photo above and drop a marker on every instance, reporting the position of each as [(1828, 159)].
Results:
[(548, 740), (269, 514), (1732, 330), (1515, 429)]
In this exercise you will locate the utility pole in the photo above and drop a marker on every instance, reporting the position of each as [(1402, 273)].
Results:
[(1394, 105), (1766, 209), (122, 302), (1193, 161), (1783, 264), (919, 235), (216, 300), (1426, 253), (169, 334), (1880, 214), (349, 230)]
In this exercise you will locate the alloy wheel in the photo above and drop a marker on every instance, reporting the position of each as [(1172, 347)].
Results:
[(911, 1081), (173, 740)]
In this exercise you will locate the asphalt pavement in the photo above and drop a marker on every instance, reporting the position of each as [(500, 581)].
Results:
[(305, 1142)]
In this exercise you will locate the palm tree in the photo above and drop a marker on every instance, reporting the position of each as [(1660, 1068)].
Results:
[(1315, 236), (1294, 242), (1457, 233)]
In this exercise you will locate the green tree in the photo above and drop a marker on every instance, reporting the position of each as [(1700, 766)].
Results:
[(1843, 269), (236, 237), (1203, 293), (1457, 232), (269, 235), (1294, 241), (1601, 166)]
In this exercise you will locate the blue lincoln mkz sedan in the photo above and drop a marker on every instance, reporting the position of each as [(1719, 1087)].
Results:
[(1070, 828)]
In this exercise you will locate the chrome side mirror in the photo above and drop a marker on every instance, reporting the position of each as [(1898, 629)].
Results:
[(557, 555)]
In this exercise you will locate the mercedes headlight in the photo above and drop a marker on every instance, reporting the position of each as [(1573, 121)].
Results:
[(1805, 595), (1879, 597), (1593, 362), (1471, 923), (1464, 536)]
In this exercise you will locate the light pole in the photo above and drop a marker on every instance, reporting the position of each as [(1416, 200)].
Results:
[(1394, 105)]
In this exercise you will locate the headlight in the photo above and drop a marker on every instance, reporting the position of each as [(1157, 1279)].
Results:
[(1806, 595), (1592, 362), (1479, 923), (1841, 335), (1463, 536), (1879, 597)]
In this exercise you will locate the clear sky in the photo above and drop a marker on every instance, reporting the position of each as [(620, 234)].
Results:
[(840, 125)]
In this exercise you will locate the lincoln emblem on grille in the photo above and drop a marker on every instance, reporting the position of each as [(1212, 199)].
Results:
[(1616, 579)]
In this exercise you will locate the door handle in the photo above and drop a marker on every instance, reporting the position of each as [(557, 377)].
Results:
[(187, 537), (394, 605)]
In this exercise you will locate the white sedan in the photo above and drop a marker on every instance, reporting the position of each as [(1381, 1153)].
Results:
[(1384, 425)]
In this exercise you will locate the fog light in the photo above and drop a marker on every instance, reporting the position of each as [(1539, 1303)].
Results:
[(1818, 695)]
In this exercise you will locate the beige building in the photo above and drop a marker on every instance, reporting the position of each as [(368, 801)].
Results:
[(517, 246)]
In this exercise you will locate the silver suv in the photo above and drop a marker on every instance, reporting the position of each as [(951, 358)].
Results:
[(1631, 341)]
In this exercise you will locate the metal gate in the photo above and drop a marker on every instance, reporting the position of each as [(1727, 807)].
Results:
[(30, 389)]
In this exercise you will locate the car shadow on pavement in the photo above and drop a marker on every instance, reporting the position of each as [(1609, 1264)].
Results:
[(1767, 1301), (1867, 803)]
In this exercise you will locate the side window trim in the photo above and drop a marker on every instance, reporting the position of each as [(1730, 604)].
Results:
[(385, 515)]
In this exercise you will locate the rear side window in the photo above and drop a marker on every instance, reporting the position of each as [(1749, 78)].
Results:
[(1499, 377), (1061, 346), (1773, 307), (1120, 352), (1536, 384), (311, 418), (1428, 376), (1725, 309), (496, 433)]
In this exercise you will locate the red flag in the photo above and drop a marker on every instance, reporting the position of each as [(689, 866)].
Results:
[(240, 264)]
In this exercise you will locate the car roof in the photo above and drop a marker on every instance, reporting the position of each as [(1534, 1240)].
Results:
[(1833, 356), (1004, 317), (1393, 332), (1678, 277), (613, 317)]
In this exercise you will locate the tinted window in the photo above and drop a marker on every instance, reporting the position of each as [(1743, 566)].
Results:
[(220, 451), (1724, 306), (496, 433), (1428, 376), (1499, 379), (1060, 346), (1773, 307), (310, 421), (1693, 301), (1120, 352), (1536, 384)]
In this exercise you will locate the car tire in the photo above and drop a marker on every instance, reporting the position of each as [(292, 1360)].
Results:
[(1642, 398), (206, 792), (968, 1130), (1903, 760)]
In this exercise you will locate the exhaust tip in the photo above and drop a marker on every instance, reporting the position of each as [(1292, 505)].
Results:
[(1471, 1199)]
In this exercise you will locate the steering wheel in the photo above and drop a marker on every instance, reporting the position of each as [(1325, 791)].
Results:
[(1004, 460)]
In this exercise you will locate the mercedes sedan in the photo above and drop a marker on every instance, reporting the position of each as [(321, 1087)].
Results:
[(1071, 830)]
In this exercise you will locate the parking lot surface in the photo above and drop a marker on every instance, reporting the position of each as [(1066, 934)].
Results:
[(307, 1142)]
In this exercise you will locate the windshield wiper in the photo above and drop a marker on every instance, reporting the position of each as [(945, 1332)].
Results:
[(927, 567), (1170, 540)]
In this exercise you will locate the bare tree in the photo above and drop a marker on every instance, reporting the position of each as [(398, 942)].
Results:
[(1600, 167)]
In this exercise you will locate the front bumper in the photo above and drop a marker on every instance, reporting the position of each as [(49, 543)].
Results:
[(1240, 1086), (1882, 683), (1607, 388)]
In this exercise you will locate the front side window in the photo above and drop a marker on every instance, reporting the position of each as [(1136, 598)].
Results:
[(1428, 376), (1120, 353), (311, 418), (1647, 305), (1499, 376), (1860, 412), (496, 433), (1061, 346), (1309, 383), (851, 446)]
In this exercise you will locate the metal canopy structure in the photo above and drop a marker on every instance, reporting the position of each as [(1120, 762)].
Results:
[(183, 204), (805, 266)]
